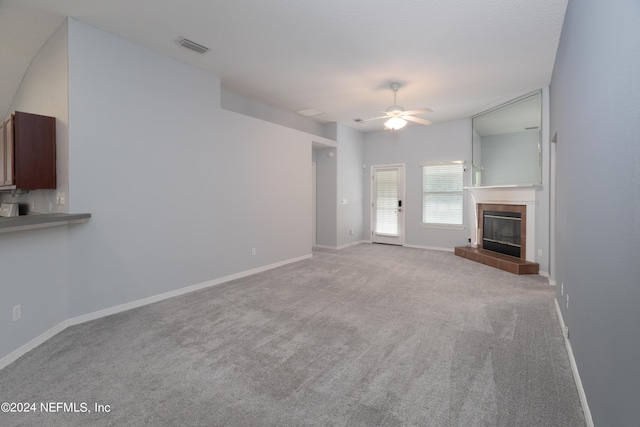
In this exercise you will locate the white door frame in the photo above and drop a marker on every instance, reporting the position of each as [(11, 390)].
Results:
[(401, 214)]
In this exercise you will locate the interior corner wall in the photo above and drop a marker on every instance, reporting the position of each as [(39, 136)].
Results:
[(44, 90), (179, 189), (239, 104), (350, 186), (413, 145), (34, 264), (327, 196), (595, 105), (543, 212)]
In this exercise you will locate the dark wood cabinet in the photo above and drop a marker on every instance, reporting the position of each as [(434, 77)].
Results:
[(28, 152)]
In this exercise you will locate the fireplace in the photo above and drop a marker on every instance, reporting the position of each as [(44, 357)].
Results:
[(502, 228), (502, 232), (515, 209)]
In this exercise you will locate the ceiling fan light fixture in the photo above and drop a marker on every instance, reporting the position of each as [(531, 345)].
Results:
[(395, 123)]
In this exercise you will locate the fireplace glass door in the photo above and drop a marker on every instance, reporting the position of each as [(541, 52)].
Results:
[(502, 232)]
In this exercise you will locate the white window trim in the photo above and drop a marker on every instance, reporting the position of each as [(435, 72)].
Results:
[(460, 226), (445, 226)]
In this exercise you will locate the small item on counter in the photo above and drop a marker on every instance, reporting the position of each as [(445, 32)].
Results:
[(9, 209)]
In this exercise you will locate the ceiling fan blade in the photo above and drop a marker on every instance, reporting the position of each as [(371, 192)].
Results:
[(417, 120), (420, 111), (375, 118)]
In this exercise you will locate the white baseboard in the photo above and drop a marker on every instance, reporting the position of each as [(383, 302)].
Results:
[(337, 248), (574, 368), (548, 277), (13, 356), (351, 244), (433, 248)]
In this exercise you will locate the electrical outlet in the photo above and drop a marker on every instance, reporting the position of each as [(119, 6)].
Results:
[(17, 312), (253, 251), (60, 199), (539, 252)]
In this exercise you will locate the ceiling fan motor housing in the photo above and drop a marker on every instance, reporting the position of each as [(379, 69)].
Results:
[(395, 110)]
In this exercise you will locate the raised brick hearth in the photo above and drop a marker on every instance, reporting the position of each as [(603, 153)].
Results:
[(494, 259)]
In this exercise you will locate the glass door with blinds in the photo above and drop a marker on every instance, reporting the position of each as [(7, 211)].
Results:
[(387, 210)]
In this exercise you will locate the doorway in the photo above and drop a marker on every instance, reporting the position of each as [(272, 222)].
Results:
[(387, 207)]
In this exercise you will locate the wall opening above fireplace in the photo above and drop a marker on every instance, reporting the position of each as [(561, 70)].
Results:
[(502, 232)]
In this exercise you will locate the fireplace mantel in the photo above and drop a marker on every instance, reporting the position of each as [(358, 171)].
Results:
[(504, 195)]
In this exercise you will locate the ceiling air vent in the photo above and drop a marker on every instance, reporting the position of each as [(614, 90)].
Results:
[(193, 46)]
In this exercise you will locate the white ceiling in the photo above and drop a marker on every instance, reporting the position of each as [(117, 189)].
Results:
[(457, 57)]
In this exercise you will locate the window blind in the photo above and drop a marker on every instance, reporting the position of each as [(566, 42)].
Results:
[(442, 193), (387, 202)]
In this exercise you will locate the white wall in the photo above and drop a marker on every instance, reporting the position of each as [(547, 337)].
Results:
[(413, 145), (34, 264)]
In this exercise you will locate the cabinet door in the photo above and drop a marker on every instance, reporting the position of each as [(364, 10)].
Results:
[(8, 152), (3, 144), (34, 151)]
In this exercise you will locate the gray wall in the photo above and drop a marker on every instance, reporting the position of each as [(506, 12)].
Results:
[(595, 106), (339, 178), (511, 158), (413, 145)]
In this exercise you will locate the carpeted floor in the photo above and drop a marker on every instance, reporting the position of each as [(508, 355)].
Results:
[(371, 335)]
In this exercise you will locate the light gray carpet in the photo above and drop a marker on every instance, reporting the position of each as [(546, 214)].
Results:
[(371, 335)]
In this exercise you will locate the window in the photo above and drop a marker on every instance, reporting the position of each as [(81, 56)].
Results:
[(442, 193)]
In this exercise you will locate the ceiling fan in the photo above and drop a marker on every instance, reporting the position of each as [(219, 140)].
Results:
[(396, 116)]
